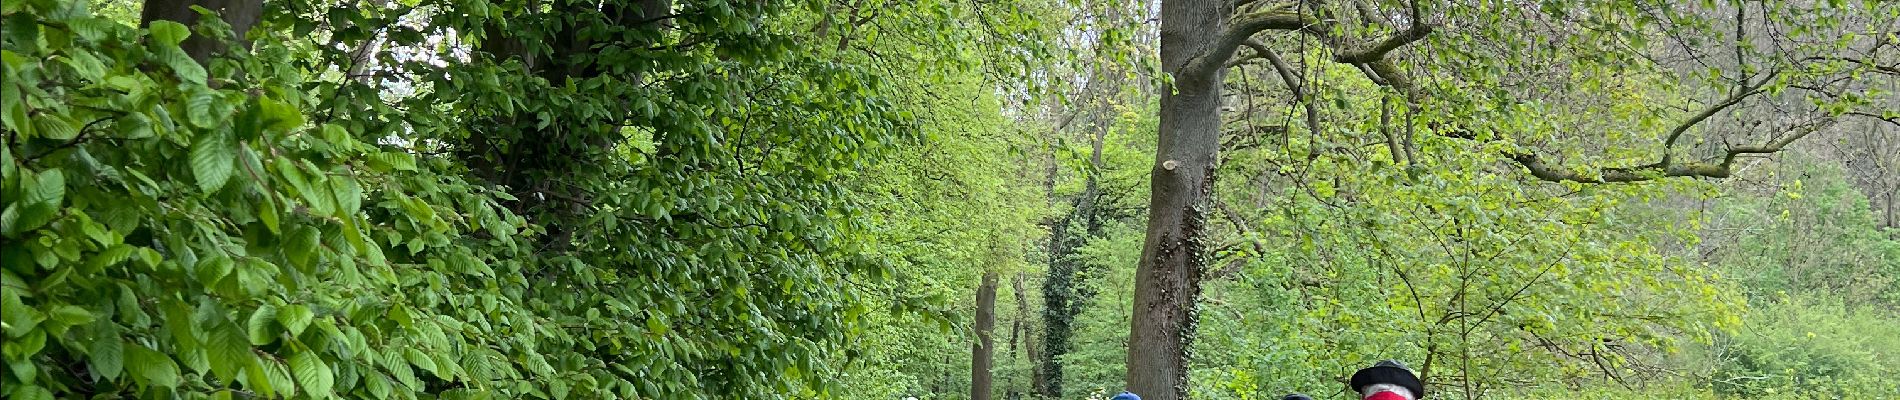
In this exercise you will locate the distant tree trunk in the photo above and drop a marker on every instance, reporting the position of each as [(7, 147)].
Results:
[(984, 350), (1059, 305), (1065, 295), (1890, 214), (1168, 278), (1036, 376), (949, 382), (1092, 187), (240, 14), (364, 55)]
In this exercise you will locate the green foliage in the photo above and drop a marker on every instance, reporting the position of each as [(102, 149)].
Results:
[(1821, 279), (1096, 364), (1803, 349), (761, 200), (1810, 233), (195, 235), (1338, 246), (1340, 259), (948, 205), (262, 226)]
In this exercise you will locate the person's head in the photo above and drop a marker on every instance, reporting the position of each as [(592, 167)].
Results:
[(1127, 396), (1387, 380)]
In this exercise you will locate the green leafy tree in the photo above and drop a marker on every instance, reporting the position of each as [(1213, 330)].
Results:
[(437, 199), (1457, 71)]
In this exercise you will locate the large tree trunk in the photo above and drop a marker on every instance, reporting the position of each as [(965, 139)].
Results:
[(1167, 281), (984, 350), (240, 14)]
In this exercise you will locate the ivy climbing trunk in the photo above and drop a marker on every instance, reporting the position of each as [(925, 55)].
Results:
[(1065, 293), (1168, 278), (984, 350), (240, 14), (1062, 299)]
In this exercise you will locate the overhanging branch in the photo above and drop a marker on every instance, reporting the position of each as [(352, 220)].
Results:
[(1370, 57), (1870, 64), (1895, 120), (1716, 167), (1277, 17), (1742, 92), (1377, 51), (1294, 82)]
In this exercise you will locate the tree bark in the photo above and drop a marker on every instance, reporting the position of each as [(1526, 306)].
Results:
[(1061, 302), (1065, 295), (1167, 280), (365, 53), (1056, 300), (984, 350), (1036, 377), (1890, 214), (240, 14)]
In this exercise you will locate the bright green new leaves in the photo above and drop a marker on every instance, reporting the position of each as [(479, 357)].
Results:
[(69, 315), (188, 71), (169, 33), (228, 351), (301, 245), (56, 127), (149, 367), (106, 355), (314, 378), (39, 196), (280, 117), (166, 36), (148, 219), (295, 318), (213, 269), (255, 226), (25, 392), (201, 107), (212, 161)]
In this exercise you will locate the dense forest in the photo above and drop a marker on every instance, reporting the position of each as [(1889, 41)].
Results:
[(948, 199)]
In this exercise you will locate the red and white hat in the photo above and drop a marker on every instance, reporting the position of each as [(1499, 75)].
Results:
[(1387, 380)]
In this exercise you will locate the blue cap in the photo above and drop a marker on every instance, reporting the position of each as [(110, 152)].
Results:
[(1127, 396)]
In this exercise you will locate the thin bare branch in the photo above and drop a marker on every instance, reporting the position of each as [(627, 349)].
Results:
[(1891, 120), (1710, 168), (1294, 82)]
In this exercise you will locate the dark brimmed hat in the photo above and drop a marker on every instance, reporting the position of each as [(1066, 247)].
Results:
[(1388, 372)]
